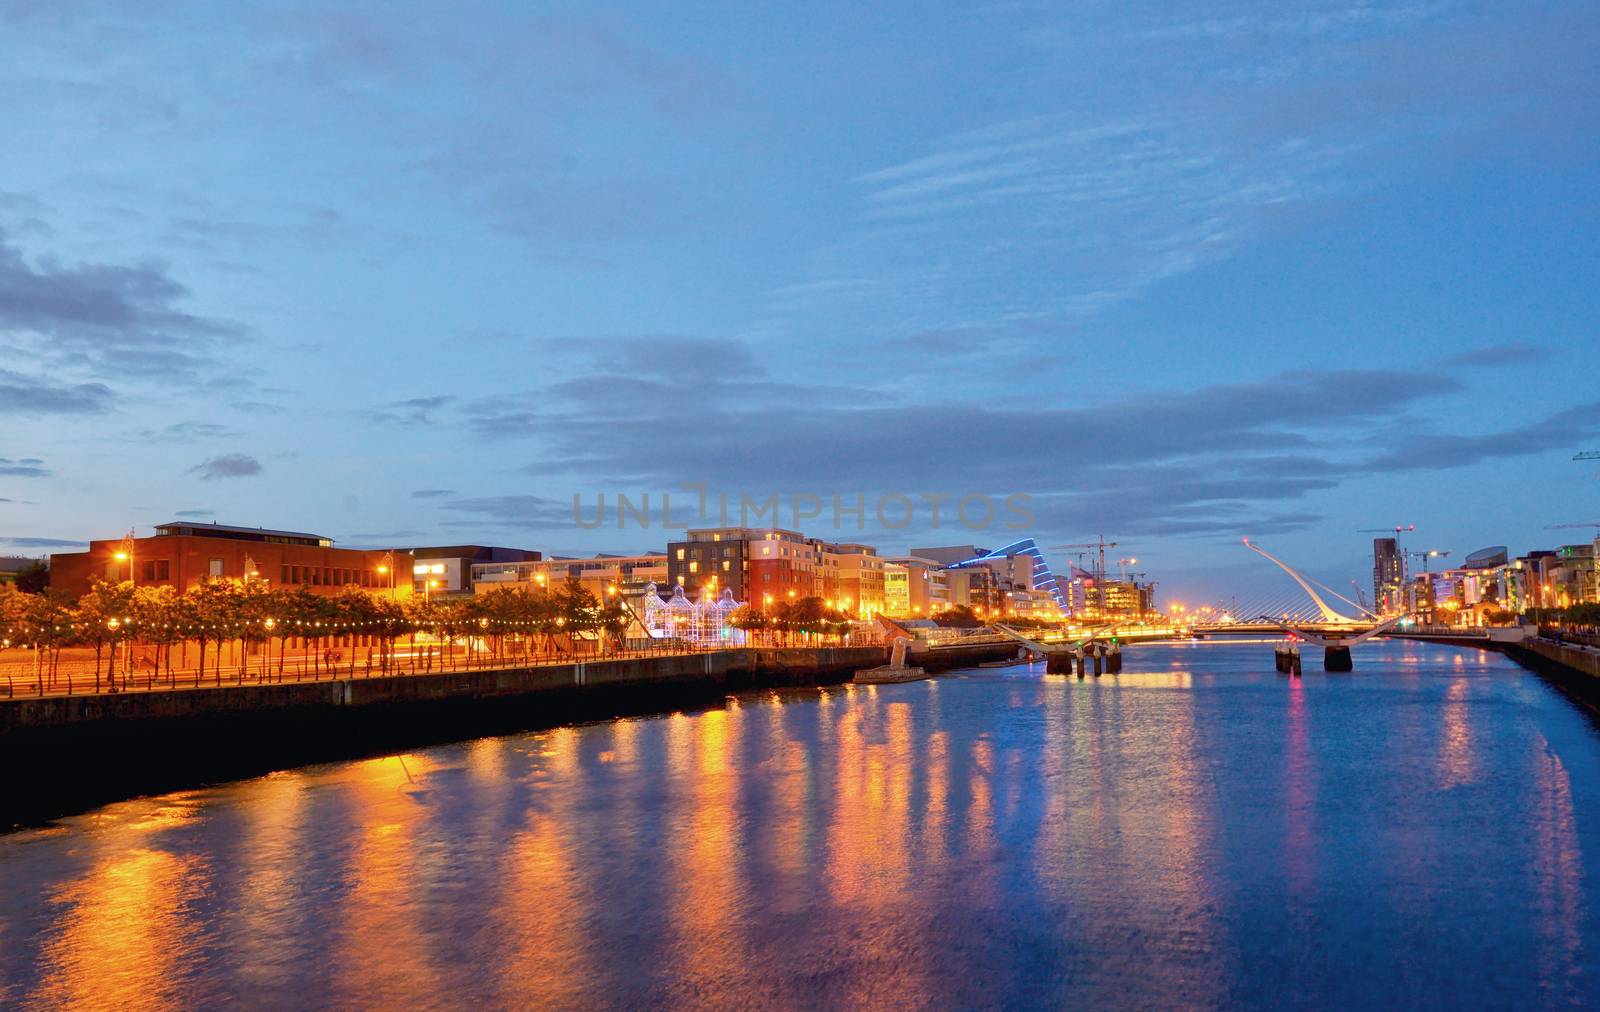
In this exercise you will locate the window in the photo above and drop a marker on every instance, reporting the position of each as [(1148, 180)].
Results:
[(283, 572), (215, 568), (157, 569), (694, 567), (726, 565), (680, 555)]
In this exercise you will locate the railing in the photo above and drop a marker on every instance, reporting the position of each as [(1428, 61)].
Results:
[(25, 676)]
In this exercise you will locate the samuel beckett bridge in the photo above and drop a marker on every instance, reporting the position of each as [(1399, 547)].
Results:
[(1302, 613), (1310, 618)]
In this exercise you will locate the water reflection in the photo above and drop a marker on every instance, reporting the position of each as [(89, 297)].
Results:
[(122, 935), (1196, 831)]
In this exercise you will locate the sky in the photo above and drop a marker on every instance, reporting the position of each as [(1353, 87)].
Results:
[(1174, 274)]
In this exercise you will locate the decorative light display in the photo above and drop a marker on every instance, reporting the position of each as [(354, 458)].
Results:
[(703, 621)]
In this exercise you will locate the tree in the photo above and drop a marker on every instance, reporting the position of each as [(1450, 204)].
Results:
[(216, 618), (101, 618), (576, 609), (958, 617), (35, 579), (156, 615)]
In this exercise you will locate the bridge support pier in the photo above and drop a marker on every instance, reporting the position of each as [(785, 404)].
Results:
[(1099, 662), (1114, 661), (1337, 659), (1057, 662)]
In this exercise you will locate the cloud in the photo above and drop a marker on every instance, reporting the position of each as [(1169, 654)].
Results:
[(23, 467), (1440, 451), (1245, 457), (28, 395), (108, 319), (409, 412), (1511, 354), (257, 408), (388, 536), (43, 543), (996, 445), (184, 432), (431, 493), (510, 512), (229, 465)]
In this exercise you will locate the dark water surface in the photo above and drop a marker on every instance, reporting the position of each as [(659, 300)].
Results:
[(1198, 831)]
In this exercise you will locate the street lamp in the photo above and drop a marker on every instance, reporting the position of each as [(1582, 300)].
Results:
[(386, 567)]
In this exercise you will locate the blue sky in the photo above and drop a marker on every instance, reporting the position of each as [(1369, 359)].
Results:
[(1177, 272)]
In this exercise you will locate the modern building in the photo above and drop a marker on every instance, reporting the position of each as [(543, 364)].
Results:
[(598, 574), (1018, 566), (1388, 575), (914, 587), (850, 577), (759, 565), (448, 569), (183, 554)]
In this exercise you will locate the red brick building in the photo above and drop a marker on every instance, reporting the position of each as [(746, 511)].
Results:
[(182, 554)]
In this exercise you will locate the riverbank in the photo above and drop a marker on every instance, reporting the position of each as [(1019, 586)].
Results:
[(1574, 669), (64, 754)]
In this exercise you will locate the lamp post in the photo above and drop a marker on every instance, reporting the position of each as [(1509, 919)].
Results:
[(386, 567)]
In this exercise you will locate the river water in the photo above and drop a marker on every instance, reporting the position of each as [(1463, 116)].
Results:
[(1199, 831)]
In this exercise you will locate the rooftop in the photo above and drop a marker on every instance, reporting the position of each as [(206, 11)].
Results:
[(179, 528)]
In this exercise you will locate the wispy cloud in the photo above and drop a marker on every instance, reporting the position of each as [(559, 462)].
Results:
[(31, 395), (43, 543), (229, 465), (412, 411), (23, 467)]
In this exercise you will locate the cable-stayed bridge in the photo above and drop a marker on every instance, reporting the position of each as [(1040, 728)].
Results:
[(1303, 610)]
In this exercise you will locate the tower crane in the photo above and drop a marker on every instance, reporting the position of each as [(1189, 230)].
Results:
[(1100, 545), (1587, 455), (1396, 529), (1432, 553)]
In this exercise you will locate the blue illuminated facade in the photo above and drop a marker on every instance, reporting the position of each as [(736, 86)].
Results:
[(1043, 578)]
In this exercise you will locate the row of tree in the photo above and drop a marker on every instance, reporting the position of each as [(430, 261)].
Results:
[(112, 617), (810, 615)]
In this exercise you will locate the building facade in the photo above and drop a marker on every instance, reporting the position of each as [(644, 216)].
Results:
[(598, 574), (759, 565), (182, 555), (448, 569), (1388, 575)]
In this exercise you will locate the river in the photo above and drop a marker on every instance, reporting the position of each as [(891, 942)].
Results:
[(1199, 831)]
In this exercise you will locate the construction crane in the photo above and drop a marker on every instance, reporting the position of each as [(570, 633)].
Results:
[(1101, 545), (1567, 527), (1122, 567), (1432, 553), (1397, 529), (1587, 455), (1361, 595)]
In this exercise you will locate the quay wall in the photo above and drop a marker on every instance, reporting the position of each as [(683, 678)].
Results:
[(62, 754), (1573, 669)]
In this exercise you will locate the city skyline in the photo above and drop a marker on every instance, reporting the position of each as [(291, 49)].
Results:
[(416, 277)]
